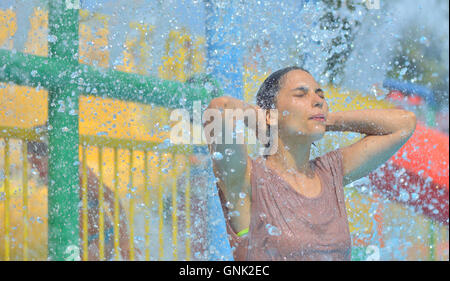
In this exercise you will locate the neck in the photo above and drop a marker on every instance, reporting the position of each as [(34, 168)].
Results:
[(292, 156)]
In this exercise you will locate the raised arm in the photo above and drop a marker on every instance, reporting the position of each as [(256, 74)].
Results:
[(231, 163), (386, 130)]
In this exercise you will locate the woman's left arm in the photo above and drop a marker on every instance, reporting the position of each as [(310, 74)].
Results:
[(386, 130)]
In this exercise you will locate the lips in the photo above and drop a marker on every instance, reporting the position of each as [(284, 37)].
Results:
[(319, 117)]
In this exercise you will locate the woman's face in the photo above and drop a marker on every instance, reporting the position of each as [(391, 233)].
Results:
[(299, 98)]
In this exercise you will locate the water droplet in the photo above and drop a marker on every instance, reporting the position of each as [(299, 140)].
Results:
[(403, 71), (208, 87), (229, 151), (52, 38), (273, 230), (217, 156), (235, 214), (424, 40), (242, 195), (137, 239), (348, 99), (404, 196), (229, 205)]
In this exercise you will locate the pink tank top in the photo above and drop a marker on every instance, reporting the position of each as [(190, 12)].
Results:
[(286, 225)]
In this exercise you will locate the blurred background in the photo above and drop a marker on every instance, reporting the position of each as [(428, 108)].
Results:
[(374, 54)]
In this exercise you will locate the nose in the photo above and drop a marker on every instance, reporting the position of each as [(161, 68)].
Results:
[(318, 102)]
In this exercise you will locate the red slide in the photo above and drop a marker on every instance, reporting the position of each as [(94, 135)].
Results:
[(417, 175)]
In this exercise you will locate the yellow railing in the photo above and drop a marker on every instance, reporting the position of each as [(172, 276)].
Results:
[(102, 143), (7, 134)]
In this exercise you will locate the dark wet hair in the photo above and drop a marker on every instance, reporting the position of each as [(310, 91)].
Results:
[(266, 97), (267, 93), (39, 148)]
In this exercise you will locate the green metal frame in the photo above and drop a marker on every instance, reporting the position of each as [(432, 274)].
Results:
[(66, 79)]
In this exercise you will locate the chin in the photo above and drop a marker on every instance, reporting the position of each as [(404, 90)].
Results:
[(314, 133), (318, 135)]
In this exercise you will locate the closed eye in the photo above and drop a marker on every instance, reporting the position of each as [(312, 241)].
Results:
[(320, 93)]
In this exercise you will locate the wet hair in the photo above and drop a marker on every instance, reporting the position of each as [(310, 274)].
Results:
[(266, 97), (39, 148), (267, 93)]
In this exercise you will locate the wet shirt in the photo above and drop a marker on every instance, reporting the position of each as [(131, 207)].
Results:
[(286, 225)]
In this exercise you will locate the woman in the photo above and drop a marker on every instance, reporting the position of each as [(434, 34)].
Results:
[(284, 206)]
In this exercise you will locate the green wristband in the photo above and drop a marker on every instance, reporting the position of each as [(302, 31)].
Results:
[(243, 232)]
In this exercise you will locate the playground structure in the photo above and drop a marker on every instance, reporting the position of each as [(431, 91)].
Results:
[(102, 117)]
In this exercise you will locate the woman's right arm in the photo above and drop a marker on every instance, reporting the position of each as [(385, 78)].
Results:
[(231, 163)]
